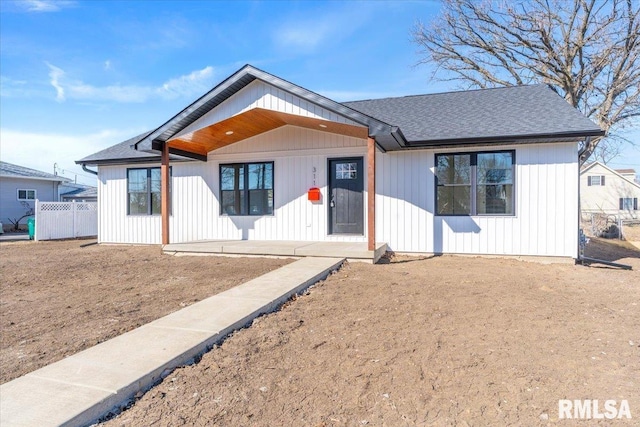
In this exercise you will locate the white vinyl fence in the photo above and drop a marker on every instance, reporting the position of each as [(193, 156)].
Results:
[(65, 220)]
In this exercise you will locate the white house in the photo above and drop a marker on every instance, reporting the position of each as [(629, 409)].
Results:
[(477, 172), (630, 174), (606, 191)]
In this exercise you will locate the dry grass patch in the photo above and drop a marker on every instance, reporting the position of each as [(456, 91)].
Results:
[(58, 298)]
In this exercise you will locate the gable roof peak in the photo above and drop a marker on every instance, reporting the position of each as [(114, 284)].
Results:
[(237, 81)]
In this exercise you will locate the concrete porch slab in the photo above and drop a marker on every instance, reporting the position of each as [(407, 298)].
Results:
[(347, 250), (257, 247), (356, 251)]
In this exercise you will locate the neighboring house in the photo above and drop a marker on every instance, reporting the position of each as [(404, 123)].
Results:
[(72, 192), (80, 195), (630, 174), (20, 187), (476, 172), (608, 191)]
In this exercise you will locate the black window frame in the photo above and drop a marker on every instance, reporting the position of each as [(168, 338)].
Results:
[(246, 190), (473, 202), (149, 192)]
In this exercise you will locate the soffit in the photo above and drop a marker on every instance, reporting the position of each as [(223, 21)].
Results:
[(254, 122)]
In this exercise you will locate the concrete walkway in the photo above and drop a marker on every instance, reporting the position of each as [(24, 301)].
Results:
[(14, 237), (82, 388)]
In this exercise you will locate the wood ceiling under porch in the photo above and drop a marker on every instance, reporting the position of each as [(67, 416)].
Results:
[(251, 123)]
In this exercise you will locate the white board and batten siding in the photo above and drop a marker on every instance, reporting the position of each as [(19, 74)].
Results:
[(295, 152), (545, 221), (258, 94)]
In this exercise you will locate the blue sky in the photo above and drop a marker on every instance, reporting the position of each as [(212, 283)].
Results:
[(78, 76)]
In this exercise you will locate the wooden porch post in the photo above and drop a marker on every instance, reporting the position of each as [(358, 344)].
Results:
[(164, 193), (371, 193)]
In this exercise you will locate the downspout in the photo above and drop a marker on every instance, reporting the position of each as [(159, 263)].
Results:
[(587, 143), (86, 169), (580, 254)]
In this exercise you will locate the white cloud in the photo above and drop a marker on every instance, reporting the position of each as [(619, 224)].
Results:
[(305, 34), (45, 5), (297, 35), (11, 87), (107, 65), (40, 151), (55, 74), (199, 79), (189, 85)]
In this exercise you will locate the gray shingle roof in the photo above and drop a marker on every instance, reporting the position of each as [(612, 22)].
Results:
[(517, 111), (121, 151), (16, 171), (501, 115), (81, 193), (124, 153)]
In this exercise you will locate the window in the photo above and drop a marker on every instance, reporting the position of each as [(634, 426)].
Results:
[(628, 204), (246, 189), (453, 176), (26, 194), (143, 191), (346, 171), (475, 183), (595, 180)]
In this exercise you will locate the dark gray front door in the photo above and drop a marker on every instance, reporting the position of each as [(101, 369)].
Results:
[(346, 185)]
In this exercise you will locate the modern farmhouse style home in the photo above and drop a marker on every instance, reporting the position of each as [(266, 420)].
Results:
[(491, 171)]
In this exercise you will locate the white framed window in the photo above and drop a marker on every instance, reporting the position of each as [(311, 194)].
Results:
[(346, 171), (26, 194)]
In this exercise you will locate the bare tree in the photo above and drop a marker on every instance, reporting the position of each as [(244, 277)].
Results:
[(16, 221), (588, 51)]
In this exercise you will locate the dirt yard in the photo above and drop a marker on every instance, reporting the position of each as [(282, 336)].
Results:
[(57, 298), (632, 232), (440, 341)]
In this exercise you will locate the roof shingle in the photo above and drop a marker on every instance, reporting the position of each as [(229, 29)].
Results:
[(515, 111), (124, 153), (121, 151), (16, 171), (509, 114), (81, 192)]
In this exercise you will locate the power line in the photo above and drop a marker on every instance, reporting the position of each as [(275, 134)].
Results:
[(57, 169)]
